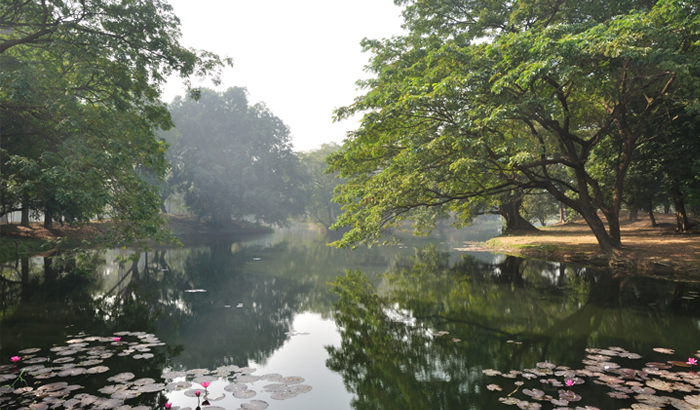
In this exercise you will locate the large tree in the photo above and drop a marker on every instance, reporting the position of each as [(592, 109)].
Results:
[(81, 104), (482, 99), (319, 185), (233, 160)]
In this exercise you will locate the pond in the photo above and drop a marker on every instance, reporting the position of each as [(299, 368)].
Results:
[(281, 321)]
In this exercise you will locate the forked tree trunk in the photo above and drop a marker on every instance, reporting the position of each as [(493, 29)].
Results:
[(510, 211), (607, 241)]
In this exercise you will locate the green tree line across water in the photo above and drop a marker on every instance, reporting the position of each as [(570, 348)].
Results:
[(519, 109)]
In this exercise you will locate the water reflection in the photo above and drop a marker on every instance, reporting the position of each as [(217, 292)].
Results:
[(505, 316), (232, 303)]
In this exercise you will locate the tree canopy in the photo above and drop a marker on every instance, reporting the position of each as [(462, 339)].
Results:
[(319, 186), (80, 105), (232, 159), (485, 98)]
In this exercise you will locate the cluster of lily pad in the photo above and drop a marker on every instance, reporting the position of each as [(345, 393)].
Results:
[(29, 381), (238, 382), (640, 389)]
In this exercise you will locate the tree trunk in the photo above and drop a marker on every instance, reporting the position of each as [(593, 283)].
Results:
[(606, 241), (562, 215), (634, 214), (48, 218), (25, 210), (49, 271), (682, 224), (667, 209), (650, 207), (510, 211), (25, 271)]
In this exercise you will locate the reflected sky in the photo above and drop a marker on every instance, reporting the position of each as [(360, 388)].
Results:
[(373, 345)]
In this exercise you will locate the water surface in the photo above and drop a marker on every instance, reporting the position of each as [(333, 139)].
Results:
[(411, 326)]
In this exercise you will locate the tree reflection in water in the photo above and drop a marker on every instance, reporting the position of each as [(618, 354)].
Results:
[(52, 299), (505, 316)]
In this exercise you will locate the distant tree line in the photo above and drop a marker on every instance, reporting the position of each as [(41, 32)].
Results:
[(232, 160)]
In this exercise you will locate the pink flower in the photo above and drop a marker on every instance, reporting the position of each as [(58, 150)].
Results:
[(205, 384), (197, 393), (168, 405), (569, 382), (692, 361), (15, 358), (116, 339)]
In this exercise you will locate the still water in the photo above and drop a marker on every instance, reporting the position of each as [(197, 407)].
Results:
[(411, 326)]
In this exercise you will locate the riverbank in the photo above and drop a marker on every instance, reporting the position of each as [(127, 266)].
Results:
[(646, 250), (21, 241)]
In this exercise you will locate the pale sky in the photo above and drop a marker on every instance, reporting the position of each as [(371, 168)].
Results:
[(301, 58)]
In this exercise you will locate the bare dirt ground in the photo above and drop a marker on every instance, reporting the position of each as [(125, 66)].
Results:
[(646, 250), (37, 231)]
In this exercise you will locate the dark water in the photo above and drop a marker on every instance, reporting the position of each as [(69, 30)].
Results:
[(369, 340)]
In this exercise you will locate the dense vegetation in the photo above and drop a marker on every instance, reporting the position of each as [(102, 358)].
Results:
[(233, 160), (484, 102), (80, 107), (519, 109)]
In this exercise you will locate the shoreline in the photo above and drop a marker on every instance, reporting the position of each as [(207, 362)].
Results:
[(646, 251), (19, 241)]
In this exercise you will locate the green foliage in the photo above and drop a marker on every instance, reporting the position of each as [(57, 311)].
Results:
[(480, 99), (540, 207), (233, 160), (80, 104), (319, 186)]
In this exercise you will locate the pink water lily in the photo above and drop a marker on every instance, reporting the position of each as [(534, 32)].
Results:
[(692, 361), (168, 405), (569, 382), (116, 339), (197, 393), (205, 384), (15, 358)]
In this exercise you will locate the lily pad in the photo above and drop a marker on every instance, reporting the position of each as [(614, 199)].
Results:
[(122, 377), (300, 388), (76, 371), (178, 386), (97, 369), (255, 405), (664, 350), (282, 395), (202, 379), (125, 394), (273, 377), (236, 387), (150, 388), (172, 375), (247, 378), (243, 394), (292, 380)]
